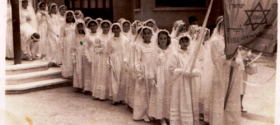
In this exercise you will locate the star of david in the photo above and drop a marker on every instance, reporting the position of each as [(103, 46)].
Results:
[(257, 9)]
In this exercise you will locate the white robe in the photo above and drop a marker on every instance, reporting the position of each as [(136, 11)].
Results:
[(146, 67), (67, 36), (42, 30), (116, 49), (182, 107), (53, 45), (78, 61)]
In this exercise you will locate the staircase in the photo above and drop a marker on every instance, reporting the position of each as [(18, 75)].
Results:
[(32, 75)]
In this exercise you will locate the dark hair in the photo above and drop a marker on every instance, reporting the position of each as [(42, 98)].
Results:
[(168, 37), (126, 22), (91, 22), (40, 4), (73, 20), (104, 23), (115, 25), (184, 37)]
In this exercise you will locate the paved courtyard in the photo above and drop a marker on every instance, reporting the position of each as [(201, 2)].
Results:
[(64, 106)]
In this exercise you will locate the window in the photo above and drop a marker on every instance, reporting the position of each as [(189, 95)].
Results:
[(180, 3)]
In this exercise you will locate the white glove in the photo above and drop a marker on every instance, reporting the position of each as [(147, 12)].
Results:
[(125, 60), (178, 71), (153, 83), (195, 73)]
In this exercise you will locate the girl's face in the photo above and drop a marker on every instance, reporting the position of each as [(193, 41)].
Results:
[(162, 39), (147, 35), (116, 30), (24, 4), (62, 11), (150, 24), (80, 28), (92, 26), (53, 10), (184, 42), (126, 27), (98, 21), (42, 6), (105, 28), (69, 17)]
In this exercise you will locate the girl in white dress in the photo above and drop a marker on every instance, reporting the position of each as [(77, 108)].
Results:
[(62, 10), (178, 29), (42, 14), (181, 106), (53, 47), (67, 37), (145, 67), (104, 35), (78, 54), (79, 15), (98, 56), (159, 105), (118, 60), (151, 23)]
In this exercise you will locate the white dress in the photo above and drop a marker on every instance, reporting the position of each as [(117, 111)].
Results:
[(67, 35), (78, 61), (100, 68), (116, 48), (182, 105), (146, 67), (42, 30), (159, 106), (53, 47), (109, 93)]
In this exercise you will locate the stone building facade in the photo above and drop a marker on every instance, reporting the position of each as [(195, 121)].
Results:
[(165, 12)]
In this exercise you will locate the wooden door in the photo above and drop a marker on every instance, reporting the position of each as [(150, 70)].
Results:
[(92, 8)]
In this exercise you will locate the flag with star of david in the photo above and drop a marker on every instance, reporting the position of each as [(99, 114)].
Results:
[(251, 24)]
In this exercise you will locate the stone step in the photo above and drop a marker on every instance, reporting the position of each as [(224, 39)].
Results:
[(33, 86), (17, 79), (26, 68)]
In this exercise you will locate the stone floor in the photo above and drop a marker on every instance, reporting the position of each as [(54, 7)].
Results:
[(64, 106)]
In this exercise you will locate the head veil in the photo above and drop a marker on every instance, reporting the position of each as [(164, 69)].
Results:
[(99, 19), (79, 15), (86, 19), (38, 7), (140, 37), (155, 40), (50, 6), (60, 7), (116, 24), (72, 12), (178, 25), (190, 48), (134, 26), (31, 11), (155, 28), (129, 33), (87, 25), (99, 29), (84, 27)]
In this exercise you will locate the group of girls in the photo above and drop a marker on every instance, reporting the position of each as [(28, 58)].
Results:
[(151, 71)]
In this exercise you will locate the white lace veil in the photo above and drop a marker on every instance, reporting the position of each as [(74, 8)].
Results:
[(72, 12), (99, 29)]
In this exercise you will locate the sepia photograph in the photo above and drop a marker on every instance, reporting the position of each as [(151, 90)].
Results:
[(139, 62)]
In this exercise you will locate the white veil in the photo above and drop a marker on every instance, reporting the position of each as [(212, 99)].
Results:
[(178, 25), (31, 12)]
